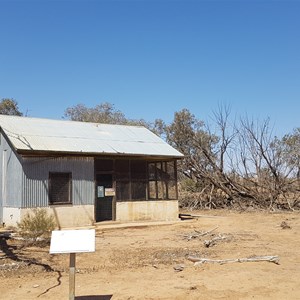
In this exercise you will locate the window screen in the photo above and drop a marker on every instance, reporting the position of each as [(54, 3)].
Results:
[(138, 170), (60, 188), (162, 180), (138, 190), (139, 180), (122, 169), (123, 190), (103, 165)]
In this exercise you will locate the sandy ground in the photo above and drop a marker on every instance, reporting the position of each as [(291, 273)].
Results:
[(138, 263)]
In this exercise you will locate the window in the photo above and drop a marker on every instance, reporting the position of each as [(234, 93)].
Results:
[(122, 170), (131, 179), (162, 180), (138, 190), (139, 180), (123, 190), (60, 188)]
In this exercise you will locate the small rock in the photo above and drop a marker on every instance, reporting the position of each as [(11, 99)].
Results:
[(35, 286), (179, 268)]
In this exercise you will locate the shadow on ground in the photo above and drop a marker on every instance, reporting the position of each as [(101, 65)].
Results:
[(13, 253)]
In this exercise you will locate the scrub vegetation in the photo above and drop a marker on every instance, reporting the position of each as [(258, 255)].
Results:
[(234, 164), (37, 226)]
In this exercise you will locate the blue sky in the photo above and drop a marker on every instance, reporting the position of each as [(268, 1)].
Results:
[(152, 58)]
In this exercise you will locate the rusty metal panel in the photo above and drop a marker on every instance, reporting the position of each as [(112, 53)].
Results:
[(32, 134), (36, 178)]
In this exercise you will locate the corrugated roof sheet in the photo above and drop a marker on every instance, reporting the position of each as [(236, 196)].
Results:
[(80, 137)]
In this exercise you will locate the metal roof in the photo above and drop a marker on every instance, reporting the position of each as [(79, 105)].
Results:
[(35, 135)]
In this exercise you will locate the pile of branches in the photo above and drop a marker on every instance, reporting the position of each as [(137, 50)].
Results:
[(218, 200), (239, 165)]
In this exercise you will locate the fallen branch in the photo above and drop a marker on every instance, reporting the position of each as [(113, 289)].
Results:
[(197, 234), (199, 260), (212, 242), (206, 232), (192, 216)]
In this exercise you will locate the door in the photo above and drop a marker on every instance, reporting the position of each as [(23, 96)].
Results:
[(104, 198)]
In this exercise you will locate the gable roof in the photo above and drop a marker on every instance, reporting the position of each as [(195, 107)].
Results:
[(30, 135)]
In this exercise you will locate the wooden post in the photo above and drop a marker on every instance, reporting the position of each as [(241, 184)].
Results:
[(72, 276)]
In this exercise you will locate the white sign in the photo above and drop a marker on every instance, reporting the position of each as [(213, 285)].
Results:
[(110, 192), (72, 241)]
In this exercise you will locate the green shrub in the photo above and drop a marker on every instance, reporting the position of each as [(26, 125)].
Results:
[(37, 225)]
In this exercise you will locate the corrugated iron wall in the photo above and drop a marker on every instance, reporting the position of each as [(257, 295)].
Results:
[(11, 177), (36, 175)]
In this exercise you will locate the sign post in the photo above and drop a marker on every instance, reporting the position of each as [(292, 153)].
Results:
[(72, 276), (72, 242)]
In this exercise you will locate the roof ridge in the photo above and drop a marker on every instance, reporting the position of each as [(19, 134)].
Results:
[(67, 121)]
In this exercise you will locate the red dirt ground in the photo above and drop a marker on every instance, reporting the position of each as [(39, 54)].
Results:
[(138, 263)]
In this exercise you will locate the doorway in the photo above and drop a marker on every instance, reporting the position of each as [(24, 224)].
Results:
[(104, 204)]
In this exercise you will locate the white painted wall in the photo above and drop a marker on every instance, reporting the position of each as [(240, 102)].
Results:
[(11, 215), (147, 211), (83, 215), (65, 216)]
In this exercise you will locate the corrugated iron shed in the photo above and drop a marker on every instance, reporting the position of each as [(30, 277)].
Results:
[(44, 135)]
